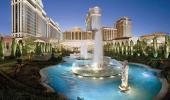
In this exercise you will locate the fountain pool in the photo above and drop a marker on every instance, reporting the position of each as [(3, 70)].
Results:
[(99, 77), (144, 84)]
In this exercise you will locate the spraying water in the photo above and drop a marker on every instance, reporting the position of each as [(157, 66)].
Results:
[(83, 50), (98, 46)]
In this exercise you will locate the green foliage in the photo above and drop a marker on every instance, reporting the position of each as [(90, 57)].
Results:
[(155, 48), (13, 47), (166, 47), (43, 47), (50, 48), (24, 50), (131, 48), (38, 49), (18, 51), (118, 48), (1, 48), (122, 48), (138, 48), (144, 47), (151, 54), (29, 45), (47, 48), (127, 48)]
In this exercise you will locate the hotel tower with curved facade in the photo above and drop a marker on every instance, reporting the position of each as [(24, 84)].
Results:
[(30, 19)]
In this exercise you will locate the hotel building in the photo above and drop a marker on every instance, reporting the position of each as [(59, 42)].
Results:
[(73, 38), (120, 32), (30, 19), (109, 33), (124, 28), (78, 34), (160, 36)]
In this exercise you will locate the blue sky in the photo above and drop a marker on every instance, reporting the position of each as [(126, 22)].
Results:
[(147, 15)]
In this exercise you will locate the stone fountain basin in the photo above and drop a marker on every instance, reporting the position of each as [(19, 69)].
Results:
[(105, 71)]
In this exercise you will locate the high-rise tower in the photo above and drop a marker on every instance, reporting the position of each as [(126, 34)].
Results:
[(124, 27), (30, 19)]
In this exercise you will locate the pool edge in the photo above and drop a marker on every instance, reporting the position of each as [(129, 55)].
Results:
[(43, 79), (164, 88)]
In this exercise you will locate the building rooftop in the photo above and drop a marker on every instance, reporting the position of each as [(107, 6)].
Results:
[(155, 34), (76, 29)]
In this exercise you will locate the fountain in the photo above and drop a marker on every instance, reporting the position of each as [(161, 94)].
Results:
[(98, 47), (124, 85), (98, 78), (100, 66), (83, 50)]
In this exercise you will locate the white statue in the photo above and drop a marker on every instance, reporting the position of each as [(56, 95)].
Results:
[(124, 85)]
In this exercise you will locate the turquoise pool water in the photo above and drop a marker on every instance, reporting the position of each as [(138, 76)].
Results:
[(143, 82)]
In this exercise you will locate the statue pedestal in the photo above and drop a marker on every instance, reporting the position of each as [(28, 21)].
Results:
[(124, 88)]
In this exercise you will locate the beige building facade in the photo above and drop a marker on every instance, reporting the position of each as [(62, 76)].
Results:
[(124, 28), (77, 34), (30, 19), (160, 36), (109, 33), (120, 32)]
